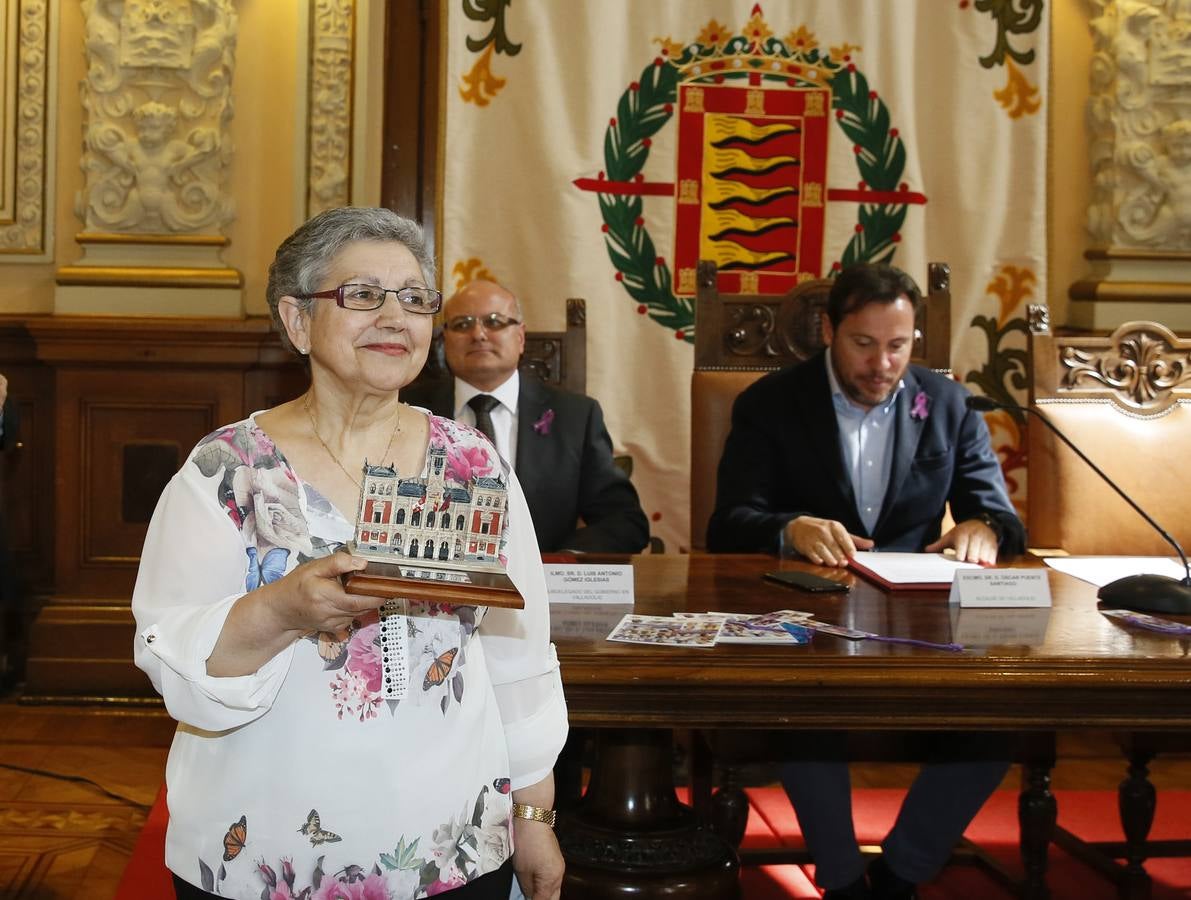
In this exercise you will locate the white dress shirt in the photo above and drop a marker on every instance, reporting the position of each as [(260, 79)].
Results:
[(504, 415)]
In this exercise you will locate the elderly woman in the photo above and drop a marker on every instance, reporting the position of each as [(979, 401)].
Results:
[(291, 775)]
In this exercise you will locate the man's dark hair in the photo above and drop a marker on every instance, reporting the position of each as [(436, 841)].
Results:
[(863, 283)]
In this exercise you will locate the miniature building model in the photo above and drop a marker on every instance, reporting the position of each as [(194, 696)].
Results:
[(424, 518)]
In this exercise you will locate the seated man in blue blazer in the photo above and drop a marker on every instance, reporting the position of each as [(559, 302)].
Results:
[(579, 499), (851, 450)]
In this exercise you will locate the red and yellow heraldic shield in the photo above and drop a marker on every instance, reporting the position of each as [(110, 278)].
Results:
[(752, 169)]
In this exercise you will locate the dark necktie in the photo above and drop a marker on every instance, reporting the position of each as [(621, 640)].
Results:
[(482, 405)]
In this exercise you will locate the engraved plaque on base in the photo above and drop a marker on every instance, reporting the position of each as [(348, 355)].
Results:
[(431, 582)]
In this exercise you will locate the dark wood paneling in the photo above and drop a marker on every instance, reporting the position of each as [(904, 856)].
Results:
[(266, 388), (107, 411), (27, 470), (409, 173), (145, 470), (83, 651), (99, 394)]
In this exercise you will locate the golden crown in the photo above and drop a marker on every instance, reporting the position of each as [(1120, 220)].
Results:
[(755, 48)]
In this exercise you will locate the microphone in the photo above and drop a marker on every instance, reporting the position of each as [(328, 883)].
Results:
[(1143, 593)]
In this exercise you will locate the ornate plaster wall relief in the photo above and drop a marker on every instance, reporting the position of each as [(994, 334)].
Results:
[(1139, 119), (156, 103), (156, 154), (332, 76), (28, 42)]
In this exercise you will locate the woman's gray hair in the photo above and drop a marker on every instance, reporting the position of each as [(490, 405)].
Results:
[(302, 260)]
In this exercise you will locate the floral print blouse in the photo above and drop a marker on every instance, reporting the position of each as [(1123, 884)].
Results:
[(300, 780)]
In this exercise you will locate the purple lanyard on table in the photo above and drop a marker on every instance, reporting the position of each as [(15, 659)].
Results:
[(855, 634)]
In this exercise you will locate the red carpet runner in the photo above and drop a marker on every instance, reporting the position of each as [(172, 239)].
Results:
[(1090, 814)]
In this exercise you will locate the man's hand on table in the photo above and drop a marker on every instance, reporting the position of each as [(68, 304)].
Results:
[(972, 540), (824, 542)]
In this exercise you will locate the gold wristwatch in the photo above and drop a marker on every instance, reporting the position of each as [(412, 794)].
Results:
[(535, 813)]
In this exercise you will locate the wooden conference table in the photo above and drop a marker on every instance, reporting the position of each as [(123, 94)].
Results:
[(1036, 671)]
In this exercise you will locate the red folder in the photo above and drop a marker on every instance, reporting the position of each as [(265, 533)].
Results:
[(939, 573)]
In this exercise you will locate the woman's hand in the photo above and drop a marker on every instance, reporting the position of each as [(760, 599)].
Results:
[(537, 860), (265, 621), (312, 598)]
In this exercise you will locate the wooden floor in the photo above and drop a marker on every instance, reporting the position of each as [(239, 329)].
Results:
[(61, 840)]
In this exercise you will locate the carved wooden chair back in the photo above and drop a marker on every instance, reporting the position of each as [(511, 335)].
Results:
[(1125, 400), (740, 337)]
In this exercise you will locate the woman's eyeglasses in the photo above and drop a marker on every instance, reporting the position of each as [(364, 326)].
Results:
[(490, 322), (363, 297)]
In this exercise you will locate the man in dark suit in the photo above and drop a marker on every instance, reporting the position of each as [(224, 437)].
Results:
[(8, 577), (856, 449), (5, 414), (578, 497)]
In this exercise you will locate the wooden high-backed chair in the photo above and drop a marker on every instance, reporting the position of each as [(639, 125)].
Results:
[(559, 358), (1125, 400), (740, 337)]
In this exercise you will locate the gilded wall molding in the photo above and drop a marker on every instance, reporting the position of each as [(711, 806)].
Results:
[(27, 29), (156, 109), (1140, 123), (330, 92)]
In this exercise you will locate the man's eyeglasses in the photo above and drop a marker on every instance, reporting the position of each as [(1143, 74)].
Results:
[(490, 322), (426, 301)]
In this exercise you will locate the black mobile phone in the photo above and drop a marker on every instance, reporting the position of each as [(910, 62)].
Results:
[(805, 581)]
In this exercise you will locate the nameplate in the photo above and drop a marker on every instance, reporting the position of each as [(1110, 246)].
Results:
[(990, 588), (1005, 627), (589, 583)]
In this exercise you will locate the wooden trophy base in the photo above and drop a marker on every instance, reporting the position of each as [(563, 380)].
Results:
[(431, 581)]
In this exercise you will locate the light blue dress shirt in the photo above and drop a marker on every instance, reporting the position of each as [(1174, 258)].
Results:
[(866, 439)]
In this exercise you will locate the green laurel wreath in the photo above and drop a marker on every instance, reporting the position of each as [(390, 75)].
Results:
[(648, 104)]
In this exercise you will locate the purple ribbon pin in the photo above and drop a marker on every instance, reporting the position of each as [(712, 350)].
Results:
[(921, 408), (542, 425)]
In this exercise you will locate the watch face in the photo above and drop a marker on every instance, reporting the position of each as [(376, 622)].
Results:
[(989, 520)]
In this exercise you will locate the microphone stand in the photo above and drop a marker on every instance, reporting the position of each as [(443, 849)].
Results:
[(1142, 593)]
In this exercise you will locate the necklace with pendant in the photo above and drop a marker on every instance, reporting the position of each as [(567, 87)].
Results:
[(314, 427)]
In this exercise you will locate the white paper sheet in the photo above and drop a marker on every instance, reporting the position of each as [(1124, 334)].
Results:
[(1100, 570), (911, 568)]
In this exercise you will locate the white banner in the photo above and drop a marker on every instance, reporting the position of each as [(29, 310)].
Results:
[(564, 147)]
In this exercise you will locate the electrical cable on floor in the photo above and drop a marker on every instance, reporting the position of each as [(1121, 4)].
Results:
[(80, 779)]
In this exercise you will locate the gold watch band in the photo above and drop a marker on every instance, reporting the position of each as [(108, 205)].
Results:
[(535, 813)]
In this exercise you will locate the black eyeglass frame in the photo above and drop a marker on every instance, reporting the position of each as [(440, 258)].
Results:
[(493, 321), (336, 294)]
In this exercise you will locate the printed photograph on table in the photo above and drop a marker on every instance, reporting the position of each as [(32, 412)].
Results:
[(764, 628), (635, 629)]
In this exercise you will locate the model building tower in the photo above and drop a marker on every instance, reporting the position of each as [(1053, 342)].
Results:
[(428, 518)]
